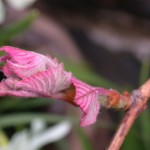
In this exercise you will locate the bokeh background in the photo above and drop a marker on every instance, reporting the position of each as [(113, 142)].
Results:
[(102, 42)]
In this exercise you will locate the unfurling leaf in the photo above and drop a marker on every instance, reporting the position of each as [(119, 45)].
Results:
[(29, 74)]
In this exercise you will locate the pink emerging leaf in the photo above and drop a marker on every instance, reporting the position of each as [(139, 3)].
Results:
[(29, 74), (87, 99), (23, 63)]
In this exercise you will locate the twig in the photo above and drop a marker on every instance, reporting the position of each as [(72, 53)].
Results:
[(138, 100)]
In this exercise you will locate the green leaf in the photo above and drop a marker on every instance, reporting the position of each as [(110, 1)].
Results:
[(85, 141), (14, 29), (63, 144), (26, 118), (138, 137), (3, 139), (144, 119), (83, 72), (133, 140), (145, 71), (11, 103)]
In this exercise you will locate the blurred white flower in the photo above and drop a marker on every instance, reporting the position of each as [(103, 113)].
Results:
[(37, 136), (16, 4), (2, 12), (20, 4)]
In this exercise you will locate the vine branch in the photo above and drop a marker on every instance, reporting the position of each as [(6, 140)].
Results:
[(138, 100)]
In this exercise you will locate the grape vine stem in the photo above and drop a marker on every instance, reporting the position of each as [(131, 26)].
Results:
[(139, 99)]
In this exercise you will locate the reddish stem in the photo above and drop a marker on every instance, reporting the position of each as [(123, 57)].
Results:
[(139, 99)]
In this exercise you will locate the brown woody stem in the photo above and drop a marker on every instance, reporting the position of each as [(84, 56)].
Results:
[(138, 100)]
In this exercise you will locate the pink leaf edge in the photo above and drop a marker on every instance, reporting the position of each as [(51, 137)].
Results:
[(29, 74), (87, 99)]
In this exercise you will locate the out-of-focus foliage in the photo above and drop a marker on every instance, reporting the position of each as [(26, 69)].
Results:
[(7, 33), (85, 141), (17, 113), (138, 137)]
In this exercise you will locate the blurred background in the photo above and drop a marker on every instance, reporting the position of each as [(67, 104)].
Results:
[(102, 42)]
